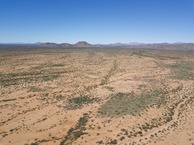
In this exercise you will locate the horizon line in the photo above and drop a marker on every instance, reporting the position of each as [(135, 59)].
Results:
[(111, 43)]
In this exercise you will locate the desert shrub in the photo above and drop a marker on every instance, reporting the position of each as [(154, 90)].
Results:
[(113, 141)]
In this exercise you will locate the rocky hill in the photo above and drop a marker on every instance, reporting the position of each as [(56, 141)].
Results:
[(82, 44)]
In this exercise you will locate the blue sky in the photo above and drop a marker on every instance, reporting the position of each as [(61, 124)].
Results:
[(96, 21)]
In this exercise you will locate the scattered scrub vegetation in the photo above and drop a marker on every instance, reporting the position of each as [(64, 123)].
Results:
[(109, 74), (81, 100), (49, 64), (28, 77), (59, 97), (78, 102), (35, 89), (125, 103), (182, 70), (74, 133)]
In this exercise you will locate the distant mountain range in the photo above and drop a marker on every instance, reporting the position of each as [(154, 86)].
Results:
[(168, 46), (78, 44)]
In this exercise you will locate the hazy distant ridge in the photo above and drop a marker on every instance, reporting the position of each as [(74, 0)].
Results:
[(169, 46)]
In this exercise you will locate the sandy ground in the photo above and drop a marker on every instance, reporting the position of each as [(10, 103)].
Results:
[(37, 88)]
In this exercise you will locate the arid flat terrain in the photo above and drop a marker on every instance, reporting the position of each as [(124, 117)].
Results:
[(93, 96)]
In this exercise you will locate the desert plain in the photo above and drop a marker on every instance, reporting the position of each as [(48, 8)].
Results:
[(93, 96)]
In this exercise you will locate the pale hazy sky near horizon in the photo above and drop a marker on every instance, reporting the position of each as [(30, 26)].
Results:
[(96, 21)]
